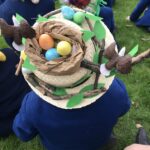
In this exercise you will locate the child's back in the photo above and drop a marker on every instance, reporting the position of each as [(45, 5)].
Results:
[(12, 91), (87, 128)]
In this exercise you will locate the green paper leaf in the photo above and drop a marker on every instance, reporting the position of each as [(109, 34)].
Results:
[(23, 41), (75, 100), (104, 60), (60, 92), (96, 55), (98, 10), (90, 87), (27, 64), (134, 51), (92, 17), (41, 19), (81, 80), (99, 30), (19, 17), (87, 35)]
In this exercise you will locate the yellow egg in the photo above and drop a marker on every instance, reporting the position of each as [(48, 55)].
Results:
[(64, 48), (2, 57), (46, 42), (23, 55)]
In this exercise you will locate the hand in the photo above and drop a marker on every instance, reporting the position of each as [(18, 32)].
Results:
[(137, 147)]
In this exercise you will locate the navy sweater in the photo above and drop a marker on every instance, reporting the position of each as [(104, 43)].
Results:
[(12, 91), (88, 128), (26, 9)]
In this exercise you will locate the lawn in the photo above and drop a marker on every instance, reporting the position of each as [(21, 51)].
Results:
[(137, 83)]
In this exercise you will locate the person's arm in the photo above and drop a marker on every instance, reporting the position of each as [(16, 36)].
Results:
[(138, 147), (23, 126), (141, 6)]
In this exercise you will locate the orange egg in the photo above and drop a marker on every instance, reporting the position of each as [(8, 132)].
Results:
[(46, 42)]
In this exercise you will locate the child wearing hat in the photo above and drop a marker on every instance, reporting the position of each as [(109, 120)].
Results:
[(69, 108), (12, 88), (105, 12), (143, 21), (28, 9)]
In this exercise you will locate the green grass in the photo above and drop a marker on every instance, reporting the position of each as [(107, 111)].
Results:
[(137, 83)]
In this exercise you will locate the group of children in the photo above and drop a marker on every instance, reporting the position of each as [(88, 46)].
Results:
[(59, 129)]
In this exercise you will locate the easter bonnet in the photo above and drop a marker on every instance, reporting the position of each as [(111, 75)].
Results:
[(70, 60)]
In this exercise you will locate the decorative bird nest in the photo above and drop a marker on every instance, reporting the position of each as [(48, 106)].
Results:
[(59, 31)]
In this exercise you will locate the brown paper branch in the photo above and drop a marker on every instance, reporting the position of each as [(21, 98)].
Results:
[(19, 67), (141, 57), (43, 88), (122, 63)]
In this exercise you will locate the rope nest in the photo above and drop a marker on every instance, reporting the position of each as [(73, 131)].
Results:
[(59, 31)]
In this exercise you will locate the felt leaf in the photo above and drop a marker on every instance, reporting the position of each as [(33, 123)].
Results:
[(41, 19), (96, 55), (87, 35), (81, 80), (19, 17), (98, 10), (27, 65), (99, 30), (60, 92), (23, 41), (92, 17), (90, 87), (75, 100), (134, 51), (104, 60)]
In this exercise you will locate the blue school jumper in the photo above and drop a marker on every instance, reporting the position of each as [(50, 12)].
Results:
[(12, 91), (87, 128), (26, 9), (108, 18), (139, 9), (110, 3)]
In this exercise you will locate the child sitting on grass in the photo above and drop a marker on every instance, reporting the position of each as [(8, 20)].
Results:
[(12, 90), (144, 20)]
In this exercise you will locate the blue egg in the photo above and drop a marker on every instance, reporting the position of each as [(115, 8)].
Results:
[(67, 12), (51, 54)]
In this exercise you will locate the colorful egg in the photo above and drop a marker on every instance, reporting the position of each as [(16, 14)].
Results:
[(46, 42), (51, 54), (67, 12), (23, 55), (79, 17), (64, 48)]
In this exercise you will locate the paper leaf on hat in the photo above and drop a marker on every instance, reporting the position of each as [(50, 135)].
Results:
[(98, 10), (96, 55), (19, 17), (28, 65), (87, 35), (104, 60), (90, 87), (92, 17), (60, 92), (134, 51), (43, 19), (23, 41), (81, 80), (99, 30), (75, 100)]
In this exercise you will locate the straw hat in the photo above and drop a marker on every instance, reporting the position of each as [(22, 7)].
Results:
[(68, 82)]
